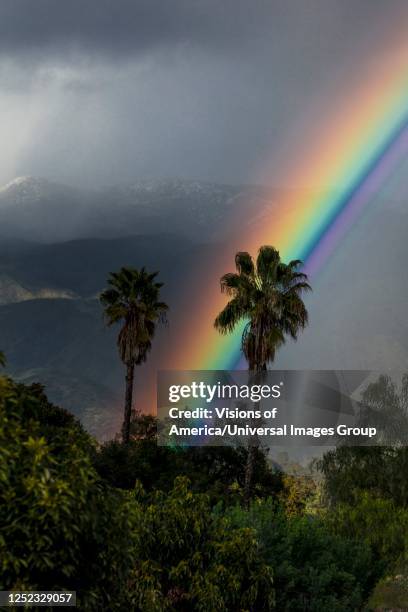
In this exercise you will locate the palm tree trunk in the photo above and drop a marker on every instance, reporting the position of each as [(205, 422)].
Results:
[(128, 402), (252, 445)]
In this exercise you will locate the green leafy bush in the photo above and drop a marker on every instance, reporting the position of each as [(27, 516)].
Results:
[(216, 471), (63, 528), (378, 522), (60, 527), (161, 546), (380, 470), (191, 559), (313, 568)]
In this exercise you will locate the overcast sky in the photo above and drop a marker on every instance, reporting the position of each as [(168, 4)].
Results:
[(105, 91)]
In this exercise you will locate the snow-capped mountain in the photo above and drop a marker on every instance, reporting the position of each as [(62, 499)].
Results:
[(36, 209), (25, 188), (12, 292)]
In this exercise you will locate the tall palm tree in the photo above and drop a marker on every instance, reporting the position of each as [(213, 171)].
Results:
[(267, 296), (133, 299)]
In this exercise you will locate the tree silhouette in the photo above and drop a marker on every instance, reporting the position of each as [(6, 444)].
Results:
[(133, 300), (267, 296)]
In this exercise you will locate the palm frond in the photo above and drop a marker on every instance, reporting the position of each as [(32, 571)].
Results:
[(109, 296), (237, 284), (230, 316), (244, 263), (298, 287), (114, 313), (295, 263), (266, 263)]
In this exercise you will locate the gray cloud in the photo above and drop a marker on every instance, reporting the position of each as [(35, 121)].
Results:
[(106, 90), (123, 27), (120, 27)]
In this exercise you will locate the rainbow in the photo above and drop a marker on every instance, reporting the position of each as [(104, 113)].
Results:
[(357, 148)]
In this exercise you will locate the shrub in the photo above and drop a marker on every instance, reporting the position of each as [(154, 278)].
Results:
[(60, 527), (191, 559), (378, 522), (313, 568), (217, 471)]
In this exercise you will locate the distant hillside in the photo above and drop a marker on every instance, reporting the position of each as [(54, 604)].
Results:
[(82, 266), (63, 344)]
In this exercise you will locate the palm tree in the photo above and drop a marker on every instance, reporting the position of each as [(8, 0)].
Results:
[(133, 300), (2, 359), (267, 297)]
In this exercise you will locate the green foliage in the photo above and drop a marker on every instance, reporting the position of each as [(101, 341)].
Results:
[(298, 493), (164, 547), (121, 465), (380, 470), (377, 522), (391, 593), (60, 528), (190, 559), (366, 488), (266, 295), (220, 472), (53, 420), (313, 568), (386, 407), (217, 471)]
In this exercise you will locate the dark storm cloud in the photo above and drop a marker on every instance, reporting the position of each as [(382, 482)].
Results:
[(127, 26), (123, 27), (107, 90)]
